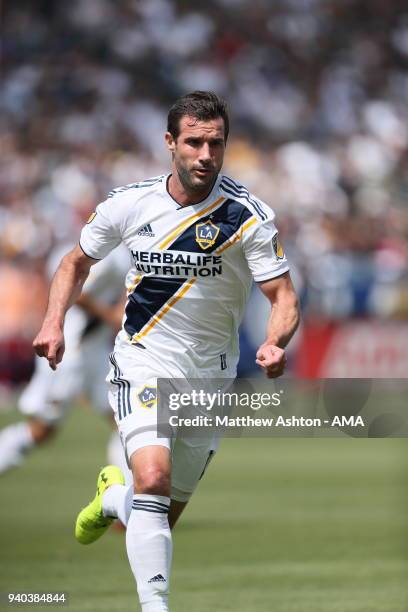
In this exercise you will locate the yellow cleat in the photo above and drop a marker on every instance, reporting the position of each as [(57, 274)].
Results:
[(91, 524)]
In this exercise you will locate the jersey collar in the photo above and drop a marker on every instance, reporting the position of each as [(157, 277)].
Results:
[(195, 206)]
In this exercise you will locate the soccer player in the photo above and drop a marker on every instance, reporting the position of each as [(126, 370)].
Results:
[(197, 239), (89, 328)]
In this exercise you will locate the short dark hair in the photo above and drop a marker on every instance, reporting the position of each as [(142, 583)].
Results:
[(203, 105)]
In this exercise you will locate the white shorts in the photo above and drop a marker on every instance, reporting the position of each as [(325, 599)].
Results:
[(49, 395), (132, 396)]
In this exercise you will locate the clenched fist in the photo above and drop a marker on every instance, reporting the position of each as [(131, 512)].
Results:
[(272, 359), (50, 344)]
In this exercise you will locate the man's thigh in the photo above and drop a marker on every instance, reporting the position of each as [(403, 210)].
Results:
[(133, 398)]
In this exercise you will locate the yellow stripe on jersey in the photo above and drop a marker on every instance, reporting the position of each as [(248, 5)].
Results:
[(189, 221), (136, 280), (237, 236), (156, 318)]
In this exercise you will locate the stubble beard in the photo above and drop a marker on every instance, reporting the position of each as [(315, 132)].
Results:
[(190, 185)]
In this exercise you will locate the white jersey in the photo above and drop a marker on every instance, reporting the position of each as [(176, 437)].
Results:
[(192, 266)]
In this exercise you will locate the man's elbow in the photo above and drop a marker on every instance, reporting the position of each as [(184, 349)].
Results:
[(76, 263)]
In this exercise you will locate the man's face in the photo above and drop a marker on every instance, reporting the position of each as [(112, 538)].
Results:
[(198, 152)]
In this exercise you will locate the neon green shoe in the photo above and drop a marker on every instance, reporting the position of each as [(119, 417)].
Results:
[(91, 524)]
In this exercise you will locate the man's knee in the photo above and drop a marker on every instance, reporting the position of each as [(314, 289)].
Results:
[(153, 480), (151, 467)]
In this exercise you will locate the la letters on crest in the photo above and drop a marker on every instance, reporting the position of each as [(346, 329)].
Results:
[(206, 234)]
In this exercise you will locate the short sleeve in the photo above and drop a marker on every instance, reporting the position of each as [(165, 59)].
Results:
[(101, 234), (263, 251)]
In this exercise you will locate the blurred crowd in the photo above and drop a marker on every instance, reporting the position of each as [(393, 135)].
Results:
[(317, 92)]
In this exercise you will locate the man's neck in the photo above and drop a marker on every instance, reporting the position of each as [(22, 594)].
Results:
[(183, 196)]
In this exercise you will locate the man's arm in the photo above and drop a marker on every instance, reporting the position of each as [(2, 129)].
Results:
[(282, 324), (65, 289)]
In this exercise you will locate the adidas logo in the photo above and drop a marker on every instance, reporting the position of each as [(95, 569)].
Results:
[(158, 578), (146, 230)]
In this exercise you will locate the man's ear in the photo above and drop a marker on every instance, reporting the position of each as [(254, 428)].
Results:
[(170, 142)]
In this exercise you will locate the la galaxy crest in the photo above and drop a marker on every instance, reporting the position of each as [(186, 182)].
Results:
[(206, 234), (147, 396)]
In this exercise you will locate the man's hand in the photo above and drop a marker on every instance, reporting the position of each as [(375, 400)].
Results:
[(50, 344), (272, 359)]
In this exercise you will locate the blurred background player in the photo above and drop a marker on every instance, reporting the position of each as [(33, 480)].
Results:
[(90, 326)]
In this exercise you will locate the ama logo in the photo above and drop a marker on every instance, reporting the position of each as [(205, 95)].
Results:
[(147, 396), (206, 234)]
